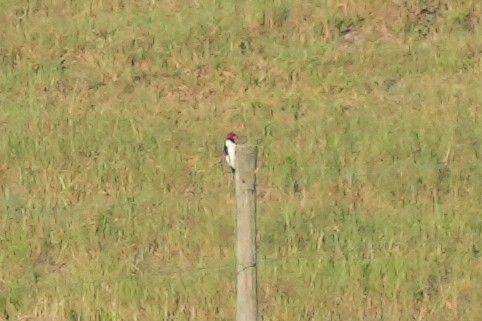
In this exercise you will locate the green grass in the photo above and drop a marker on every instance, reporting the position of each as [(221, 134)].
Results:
[(113, 190)]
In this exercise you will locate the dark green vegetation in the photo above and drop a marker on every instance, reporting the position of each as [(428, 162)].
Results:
[(368, 120)]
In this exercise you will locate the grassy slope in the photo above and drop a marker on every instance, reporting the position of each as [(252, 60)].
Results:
[(112, 116)]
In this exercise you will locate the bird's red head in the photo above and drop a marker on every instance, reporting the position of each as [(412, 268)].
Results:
[(232, 136)]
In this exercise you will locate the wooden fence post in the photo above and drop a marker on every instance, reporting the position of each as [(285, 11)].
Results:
[(246, 269)]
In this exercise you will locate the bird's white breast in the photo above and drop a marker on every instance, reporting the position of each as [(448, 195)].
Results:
[(231, 148)]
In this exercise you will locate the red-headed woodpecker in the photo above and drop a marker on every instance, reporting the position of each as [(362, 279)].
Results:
[(230, 148)]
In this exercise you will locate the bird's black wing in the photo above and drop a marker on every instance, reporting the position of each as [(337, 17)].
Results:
[(225, 150)]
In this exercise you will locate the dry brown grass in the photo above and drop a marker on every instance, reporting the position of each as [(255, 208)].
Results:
[(367, 118)]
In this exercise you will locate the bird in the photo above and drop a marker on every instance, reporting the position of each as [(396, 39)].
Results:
[(230, 149)]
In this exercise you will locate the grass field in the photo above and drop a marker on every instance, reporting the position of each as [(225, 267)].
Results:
[(368, 119)]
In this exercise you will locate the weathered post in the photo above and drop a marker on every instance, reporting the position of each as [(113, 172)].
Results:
[(246, 269)]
